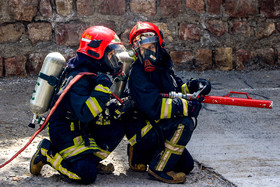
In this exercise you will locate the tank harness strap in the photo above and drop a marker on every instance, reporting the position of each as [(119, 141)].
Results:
[(52, 80)]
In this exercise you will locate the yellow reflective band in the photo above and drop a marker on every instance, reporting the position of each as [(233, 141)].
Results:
[(44, 151), (102, 154), (164, 158), (93, 106), (78, 140), (92, 140), (56, 163), (102, 88), (132, 140), (185, 107), (79, 150), (70, 174), (49, 159), (67, 151), (72, 126), (185, 89), (166, 108), (106, 122), (79, 147), (102, 121), (171, 147), (177, 134), (99, 121), (56, 160), (146, 129), (176, 149), (157, 121)]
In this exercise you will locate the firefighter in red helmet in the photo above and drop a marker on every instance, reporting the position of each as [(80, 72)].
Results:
[(164, 126), (80, 136)]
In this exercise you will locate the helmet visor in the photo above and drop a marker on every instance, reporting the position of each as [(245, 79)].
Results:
[(112, 57), (144, 40), (147, 49)]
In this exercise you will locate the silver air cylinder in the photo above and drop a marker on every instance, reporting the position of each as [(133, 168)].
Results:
[(43, 91), (118, 86)]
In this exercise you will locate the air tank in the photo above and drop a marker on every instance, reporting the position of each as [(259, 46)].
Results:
[(126, 58), (42, 94)]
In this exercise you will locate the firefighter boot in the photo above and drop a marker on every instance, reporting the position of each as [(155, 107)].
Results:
[(105, 169), (131, 160), (39, 160), (170, 177)]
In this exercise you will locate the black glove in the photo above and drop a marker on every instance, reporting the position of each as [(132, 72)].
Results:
[(114, 109), (111, 107), (196, 84), (103, 79), (127, 105), (193, 108)]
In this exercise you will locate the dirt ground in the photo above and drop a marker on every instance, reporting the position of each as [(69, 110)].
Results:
[(15, 116)]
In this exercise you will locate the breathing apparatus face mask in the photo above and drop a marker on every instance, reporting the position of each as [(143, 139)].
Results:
[(112, 60), (147, 50)]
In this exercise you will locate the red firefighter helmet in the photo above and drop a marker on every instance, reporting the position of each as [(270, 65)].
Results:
[(144, 27), (147, 42), (96, 39)]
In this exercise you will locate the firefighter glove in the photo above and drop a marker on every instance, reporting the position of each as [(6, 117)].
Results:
[(111, 107), (195, 85), (193, 108), (115, 109)]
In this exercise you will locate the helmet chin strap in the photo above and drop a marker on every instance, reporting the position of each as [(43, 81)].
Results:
[(148, 66)]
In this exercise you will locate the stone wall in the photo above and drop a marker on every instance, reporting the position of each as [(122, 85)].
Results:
[(199, 34)]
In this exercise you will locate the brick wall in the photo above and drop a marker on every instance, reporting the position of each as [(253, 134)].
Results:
[(199, 34)]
